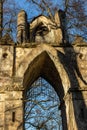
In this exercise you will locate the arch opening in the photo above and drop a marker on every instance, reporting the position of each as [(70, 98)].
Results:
[(41, 111), (44, 66)]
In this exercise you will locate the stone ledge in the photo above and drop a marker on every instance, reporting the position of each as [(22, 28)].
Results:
[(77, 89), (33, 44)]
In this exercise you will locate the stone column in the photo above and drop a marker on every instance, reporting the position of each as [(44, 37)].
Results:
[(71, 123), (67, 111), (22, 27), (79, 109), (76, 109)]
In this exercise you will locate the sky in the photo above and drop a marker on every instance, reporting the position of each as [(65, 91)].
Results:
[(30, 8)]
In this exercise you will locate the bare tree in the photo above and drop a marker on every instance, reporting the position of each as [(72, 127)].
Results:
[(44, 6), (77, 18), (41, 107), (1, 17), (75, 11), (9, 17)]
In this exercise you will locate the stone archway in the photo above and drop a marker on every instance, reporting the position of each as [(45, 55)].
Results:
[(43, 58), (52, 63), (43, 61)]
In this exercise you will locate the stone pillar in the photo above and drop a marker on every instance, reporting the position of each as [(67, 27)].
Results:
[(67, 113), (79, 100), (22, 27), (69, 109), (76, 109)]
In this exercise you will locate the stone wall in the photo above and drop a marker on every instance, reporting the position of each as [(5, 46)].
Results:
[(64, 67)]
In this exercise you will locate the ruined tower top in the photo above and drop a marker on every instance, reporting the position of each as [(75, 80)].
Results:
[(42, 29)]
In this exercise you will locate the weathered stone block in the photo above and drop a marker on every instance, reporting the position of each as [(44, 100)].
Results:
[(6, 60)]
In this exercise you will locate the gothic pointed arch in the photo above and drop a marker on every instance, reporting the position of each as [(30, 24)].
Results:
[(43, 61)]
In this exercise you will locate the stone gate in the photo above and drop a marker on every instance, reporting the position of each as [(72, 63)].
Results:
[(63, 66)]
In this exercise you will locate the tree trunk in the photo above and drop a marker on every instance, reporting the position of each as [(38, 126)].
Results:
[(1, 17)]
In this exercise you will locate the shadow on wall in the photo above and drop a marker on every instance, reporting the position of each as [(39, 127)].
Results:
[(69, 62)]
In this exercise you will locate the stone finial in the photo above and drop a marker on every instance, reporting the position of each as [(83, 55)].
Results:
[(57, 18), (79, 41), (6, 39), (22, 28)]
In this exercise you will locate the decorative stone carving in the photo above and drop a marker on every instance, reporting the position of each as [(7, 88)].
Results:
[(42, 29), (6, 39), (79, 41)]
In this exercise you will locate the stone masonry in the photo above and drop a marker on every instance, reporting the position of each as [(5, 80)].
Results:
[(64, 67), (33, 56)]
